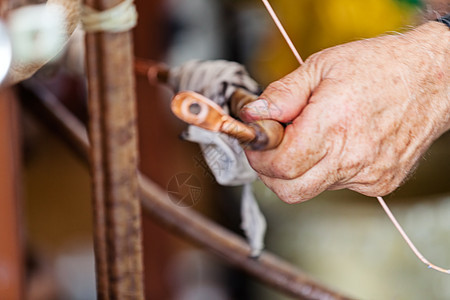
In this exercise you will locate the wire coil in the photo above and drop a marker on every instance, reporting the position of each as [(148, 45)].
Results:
[(119, 18)]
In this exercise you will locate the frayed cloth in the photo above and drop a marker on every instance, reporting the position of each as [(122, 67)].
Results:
[(218, 80)]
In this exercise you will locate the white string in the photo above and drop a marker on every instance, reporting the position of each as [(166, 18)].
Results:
[(119, 18), (407, 240), (380, 199), (283, 31)]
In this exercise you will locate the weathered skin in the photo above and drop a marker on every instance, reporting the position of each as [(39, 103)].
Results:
[(362, 115)]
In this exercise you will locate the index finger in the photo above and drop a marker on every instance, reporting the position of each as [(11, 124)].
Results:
[(283, 99)]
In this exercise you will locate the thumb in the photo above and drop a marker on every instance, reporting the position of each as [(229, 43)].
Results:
[(282, 100)]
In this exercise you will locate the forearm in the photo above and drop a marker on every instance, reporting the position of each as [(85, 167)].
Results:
[(434, 60)]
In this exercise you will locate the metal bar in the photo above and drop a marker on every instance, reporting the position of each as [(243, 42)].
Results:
[(186, 223), (11, 239), (113, 135)]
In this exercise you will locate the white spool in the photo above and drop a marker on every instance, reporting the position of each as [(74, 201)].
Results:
[(119, 18), (5, 52), (36, 32)]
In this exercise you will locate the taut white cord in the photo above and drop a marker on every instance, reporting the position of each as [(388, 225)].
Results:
[(119, 18), (283, 31), (407, 240)]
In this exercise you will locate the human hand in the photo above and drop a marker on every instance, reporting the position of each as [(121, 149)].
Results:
[(360, 115)]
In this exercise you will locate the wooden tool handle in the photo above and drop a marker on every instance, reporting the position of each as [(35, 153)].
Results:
[(269, 133)]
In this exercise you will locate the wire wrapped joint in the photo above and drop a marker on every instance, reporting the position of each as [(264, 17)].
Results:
[(119, 18)]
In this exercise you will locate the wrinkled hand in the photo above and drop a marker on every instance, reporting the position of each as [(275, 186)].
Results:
[(360, 115)]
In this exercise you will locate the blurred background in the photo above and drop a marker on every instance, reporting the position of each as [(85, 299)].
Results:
[(341, 238)]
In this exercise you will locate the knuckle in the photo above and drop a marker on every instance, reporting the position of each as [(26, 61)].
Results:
[(315, 57), (279, 87), (294, 192), (287, 195), (380, 190), (286, 191), (389, 184), (377, 185), (283, 168), (370, 176), (316, 60), (277, 93)]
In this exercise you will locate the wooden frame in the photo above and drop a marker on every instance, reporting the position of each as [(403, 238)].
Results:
[(113, 136), (11, 240)]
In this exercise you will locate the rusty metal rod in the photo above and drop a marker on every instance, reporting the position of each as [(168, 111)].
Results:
[(113, 135), (185, 222), (12, 258), (155, 72)]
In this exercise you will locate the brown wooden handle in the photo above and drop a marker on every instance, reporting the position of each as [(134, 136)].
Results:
[(239, 99), (269, 133)]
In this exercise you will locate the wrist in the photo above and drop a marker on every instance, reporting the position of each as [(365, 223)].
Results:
[(433, 34), (433, 41)]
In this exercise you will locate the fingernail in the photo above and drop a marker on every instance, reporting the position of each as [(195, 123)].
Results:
[(258, 108)]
